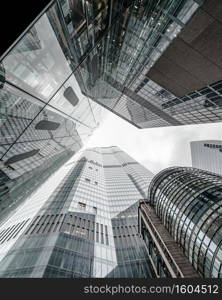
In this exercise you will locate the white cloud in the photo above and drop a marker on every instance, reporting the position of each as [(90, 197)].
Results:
[(155, 148)]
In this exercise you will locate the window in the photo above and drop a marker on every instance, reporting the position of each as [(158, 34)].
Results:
[(21, 156), (96, 183), (87, 179), (106, 232), (70, 95), (46, 125), (95, 210), (97, 232), (101, 233)]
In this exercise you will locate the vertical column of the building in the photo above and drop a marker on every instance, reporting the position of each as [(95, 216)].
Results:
[(124, 195), (105, 259), (91, 196)]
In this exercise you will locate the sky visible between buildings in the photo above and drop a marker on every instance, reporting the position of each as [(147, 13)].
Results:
[(155, 148)]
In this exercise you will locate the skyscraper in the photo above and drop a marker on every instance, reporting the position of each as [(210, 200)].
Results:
[(143, 60), (184, 205), (87, 227), (207, 155)]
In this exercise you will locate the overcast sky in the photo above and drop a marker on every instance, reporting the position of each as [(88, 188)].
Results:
[(155, 148)]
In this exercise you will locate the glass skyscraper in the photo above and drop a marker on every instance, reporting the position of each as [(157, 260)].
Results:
[(87, 227), (123, 55), (188, 204)]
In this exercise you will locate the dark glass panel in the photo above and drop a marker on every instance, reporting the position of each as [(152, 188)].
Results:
[(21, 156), (47, 125), (70, 95)]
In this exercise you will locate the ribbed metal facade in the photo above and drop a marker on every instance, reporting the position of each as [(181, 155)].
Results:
[(189, 203)]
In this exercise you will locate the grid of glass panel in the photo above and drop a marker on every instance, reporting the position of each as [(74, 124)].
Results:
[(201, 106), (114, 42)]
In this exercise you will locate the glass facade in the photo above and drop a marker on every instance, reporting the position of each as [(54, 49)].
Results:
[(199, 106), (79, 53), (188, 202), (88, 225), (132, 259), (44, 117)]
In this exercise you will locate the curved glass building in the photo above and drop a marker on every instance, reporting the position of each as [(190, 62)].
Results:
[(188, 202)]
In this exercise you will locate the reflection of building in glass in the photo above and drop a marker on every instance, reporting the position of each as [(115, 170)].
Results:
[(33, 139), (140, 69), (88, 227), (184, 205), (30, 42), (44, 117), (142, 60), (207, 155), (13, 191)]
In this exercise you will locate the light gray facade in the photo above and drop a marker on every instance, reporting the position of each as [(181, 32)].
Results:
[(207, 155)]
